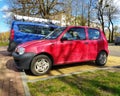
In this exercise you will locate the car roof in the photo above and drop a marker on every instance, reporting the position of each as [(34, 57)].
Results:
[(35, 23), (83, 27)]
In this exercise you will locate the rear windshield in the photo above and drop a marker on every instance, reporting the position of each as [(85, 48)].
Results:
[(35, 29)]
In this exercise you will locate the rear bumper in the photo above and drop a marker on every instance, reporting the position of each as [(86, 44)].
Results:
[(23, 61), (11, 47)]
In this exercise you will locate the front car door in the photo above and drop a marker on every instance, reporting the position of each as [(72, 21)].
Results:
[(73, 48)]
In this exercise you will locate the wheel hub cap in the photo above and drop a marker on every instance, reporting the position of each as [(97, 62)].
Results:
[(41, 65), (102, 58)]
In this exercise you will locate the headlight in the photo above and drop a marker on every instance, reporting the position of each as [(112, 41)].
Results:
[(20, 50)]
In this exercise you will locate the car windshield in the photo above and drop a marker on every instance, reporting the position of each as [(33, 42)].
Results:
[(55, 33)]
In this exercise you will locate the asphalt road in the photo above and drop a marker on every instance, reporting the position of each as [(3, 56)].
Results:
[(114, 50)]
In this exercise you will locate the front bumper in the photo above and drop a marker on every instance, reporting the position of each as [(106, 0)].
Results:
[(23, 61)]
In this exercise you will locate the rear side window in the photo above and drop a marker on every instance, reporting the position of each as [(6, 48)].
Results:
[(35, 29), (27, 28), (93, 34)]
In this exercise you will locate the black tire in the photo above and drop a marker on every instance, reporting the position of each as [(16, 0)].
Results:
[(101, 58), (115, 43), (38, 66)]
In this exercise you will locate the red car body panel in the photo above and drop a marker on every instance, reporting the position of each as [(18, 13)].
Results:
[(70, 51)]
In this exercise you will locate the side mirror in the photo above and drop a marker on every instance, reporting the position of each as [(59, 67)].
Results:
[(64, 39)]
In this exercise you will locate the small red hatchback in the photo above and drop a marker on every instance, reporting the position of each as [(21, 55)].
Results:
[(65, 45)]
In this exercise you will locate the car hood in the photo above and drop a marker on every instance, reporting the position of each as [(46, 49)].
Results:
[(36, 43)]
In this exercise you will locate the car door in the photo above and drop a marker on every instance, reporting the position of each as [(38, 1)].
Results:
[(26, 32), (73, 47), (95, 43)]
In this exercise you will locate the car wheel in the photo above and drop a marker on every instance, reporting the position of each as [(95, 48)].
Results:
[(40, 65), (101, 59), (115, 43)]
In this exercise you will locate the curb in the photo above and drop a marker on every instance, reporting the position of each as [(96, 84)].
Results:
[(73, 73), (24, 82)]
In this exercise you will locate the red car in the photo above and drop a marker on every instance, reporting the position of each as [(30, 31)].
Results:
[(65, 45)]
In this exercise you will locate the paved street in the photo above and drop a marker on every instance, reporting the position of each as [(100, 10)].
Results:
[(10, 78), (114, 50)]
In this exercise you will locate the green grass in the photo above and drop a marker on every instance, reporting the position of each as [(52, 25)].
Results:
[(4, 44), (98, 83)]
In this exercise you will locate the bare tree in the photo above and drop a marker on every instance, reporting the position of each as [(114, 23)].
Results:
[(111, 12), (82, 13), (79, 7), (68, 11), (76, 12), (106, 15), (90, 7), (101, 7), (39, 8)]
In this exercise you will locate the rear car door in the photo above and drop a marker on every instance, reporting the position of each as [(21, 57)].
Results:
[(95, 43)]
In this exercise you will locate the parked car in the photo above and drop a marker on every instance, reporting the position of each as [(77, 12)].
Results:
[(22, 31), (64, 45), (117, 40)]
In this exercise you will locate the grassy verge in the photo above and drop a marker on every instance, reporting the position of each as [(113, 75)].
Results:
[(98, 83), (4, 44)]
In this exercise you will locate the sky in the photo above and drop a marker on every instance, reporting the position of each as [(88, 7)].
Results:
[(4, 27)]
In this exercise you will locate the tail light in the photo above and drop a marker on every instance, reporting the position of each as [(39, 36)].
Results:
[(12, 34)]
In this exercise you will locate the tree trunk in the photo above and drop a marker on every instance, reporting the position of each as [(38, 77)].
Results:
[(112, 35), (109, 34)]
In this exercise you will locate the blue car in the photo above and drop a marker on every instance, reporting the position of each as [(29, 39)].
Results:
[(22, 31), (117, 40)]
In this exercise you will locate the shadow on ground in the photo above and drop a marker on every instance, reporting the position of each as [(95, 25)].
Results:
[(5, 53), (58, 68), (11, 65)]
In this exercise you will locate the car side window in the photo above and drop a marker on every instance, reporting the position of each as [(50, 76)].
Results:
[(27, 28), (93, 34), (75, 34), (42, 30)]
